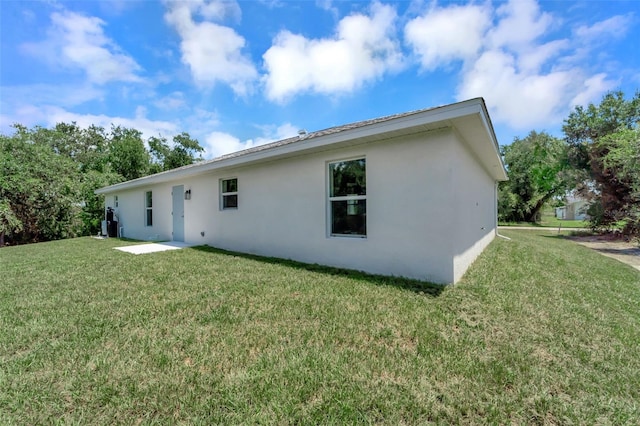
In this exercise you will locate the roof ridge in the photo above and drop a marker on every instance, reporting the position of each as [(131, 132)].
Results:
[(303, 137), (316, 133)]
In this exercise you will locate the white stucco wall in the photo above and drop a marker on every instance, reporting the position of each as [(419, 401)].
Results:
[(131, 212), (283, 210), (427, 201), (475, 214)]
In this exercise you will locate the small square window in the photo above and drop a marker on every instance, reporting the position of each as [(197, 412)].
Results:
[(229, 194)]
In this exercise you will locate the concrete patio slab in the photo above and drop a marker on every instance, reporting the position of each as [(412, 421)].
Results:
[(154, 247)]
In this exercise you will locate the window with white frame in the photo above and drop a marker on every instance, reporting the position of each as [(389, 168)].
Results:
[(228, 194), (148, 208), (348, 198), (115, 201)]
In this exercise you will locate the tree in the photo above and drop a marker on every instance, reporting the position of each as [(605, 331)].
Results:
[(48, 177), (159, 150), (597, 135), (40, 187), (92, 204), (618, 158), (538, 170), (185, 151), (127, 154), (9, 223)]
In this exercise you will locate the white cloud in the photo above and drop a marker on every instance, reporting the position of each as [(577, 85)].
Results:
[(510, 57), (272, 4), (447, 34), (592, 90), (363, 49), (328, 6), (220, 143), (48, 115), (212, 52), (59, 94), (615, 26), (525, 86), (273, 133), (532, 58), (172, 101), (521, 99), (78, 42), (520, 23)]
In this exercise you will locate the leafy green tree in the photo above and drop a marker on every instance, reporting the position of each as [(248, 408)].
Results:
[(619, 160), (48, 177), (600, 136), (159, 150), (40, 187), (86, 147), (185, 151), (9, 222), (538, 170), (93, 205), (127, 154)]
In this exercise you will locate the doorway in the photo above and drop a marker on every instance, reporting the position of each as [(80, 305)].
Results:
[(177, 195)]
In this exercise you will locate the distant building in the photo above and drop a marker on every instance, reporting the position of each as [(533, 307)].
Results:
[(574, 209)]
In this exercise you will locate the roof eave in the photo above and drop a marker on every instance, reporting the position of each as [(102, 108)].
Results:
[(376, 131)]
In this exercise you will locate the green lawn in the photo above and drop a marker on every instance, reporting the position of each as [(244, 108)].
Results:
[(539, 331), (549, 220)]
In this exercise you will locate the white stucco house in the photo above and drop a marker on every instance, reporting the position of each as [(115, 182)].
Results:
[(412, 195)]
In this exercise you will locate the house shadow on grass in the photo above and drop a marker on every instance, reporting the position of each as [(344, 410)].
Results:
[(417, 286)]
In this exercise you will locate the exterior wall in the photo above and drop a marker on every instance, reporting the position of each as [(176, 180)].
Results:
[(429, 209), (131, 212), (475, 212), (576, 210), (572, 211), (283, 210)]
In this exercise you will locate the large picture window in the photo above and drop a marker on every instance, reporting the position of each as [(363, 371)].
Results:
[(148, 208), (348, 197), (229, 193)]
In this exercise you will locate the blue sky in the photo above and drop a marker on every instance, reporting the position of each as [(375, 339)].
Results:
[(238, 74)]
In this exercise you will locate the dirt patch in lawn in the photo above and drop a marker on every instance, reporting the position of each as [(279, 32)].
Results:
[(612, 246)]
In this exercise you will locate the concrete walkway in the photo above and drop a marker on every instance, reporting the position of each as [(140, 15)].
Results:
[(622, 251), (154, 247)]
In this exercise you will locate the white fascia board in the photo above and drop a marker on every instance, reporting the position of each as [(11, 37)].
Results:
[(486, 121), (435, 115)]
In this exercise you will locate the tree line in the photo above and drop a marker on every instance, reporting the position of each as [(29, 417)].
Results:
[(48, 175), (598, 159)]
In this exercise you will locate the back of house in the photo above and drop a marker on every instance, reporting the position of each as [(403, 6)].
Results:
[(413, 195)]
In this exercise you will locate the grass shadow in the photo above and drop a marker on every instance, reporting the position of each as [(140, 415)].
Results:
[(417, 286), (128, 240)]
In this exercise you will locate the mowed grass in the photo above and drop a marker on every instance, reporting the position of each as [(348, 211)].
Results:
[(549, 220), (539, 331)]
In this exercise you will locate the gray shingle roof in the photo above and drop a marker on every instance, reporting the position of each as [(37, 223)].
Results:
[(307, 136), (284, 142)]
